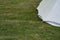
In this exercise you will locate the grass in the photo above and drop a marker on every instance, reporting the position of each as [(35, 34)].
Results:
[(19, 21)]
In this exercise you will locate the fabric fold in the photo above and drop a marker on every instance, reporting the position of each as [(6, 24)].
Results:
[(49, 11)]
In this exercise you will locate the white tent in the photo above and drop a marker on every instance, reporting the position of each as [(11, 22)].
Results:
[(49, 11)]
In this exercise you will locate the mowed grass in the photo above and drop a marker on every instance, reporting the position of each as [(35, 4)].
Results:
[(19, 21)]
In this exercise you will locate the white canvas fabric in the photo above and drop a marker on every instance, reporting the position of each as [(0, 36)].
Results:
[(49, 11)]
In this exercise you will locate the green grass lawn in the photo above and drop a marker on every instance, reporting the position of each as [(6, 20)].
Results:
[(19, 21)]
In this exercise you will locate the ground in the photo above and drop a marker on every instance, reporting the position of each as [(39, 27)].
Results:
[(19, 21)]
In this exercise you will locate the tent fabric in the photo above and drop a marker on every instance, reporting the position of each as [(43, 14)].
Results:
[(49, 11)]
